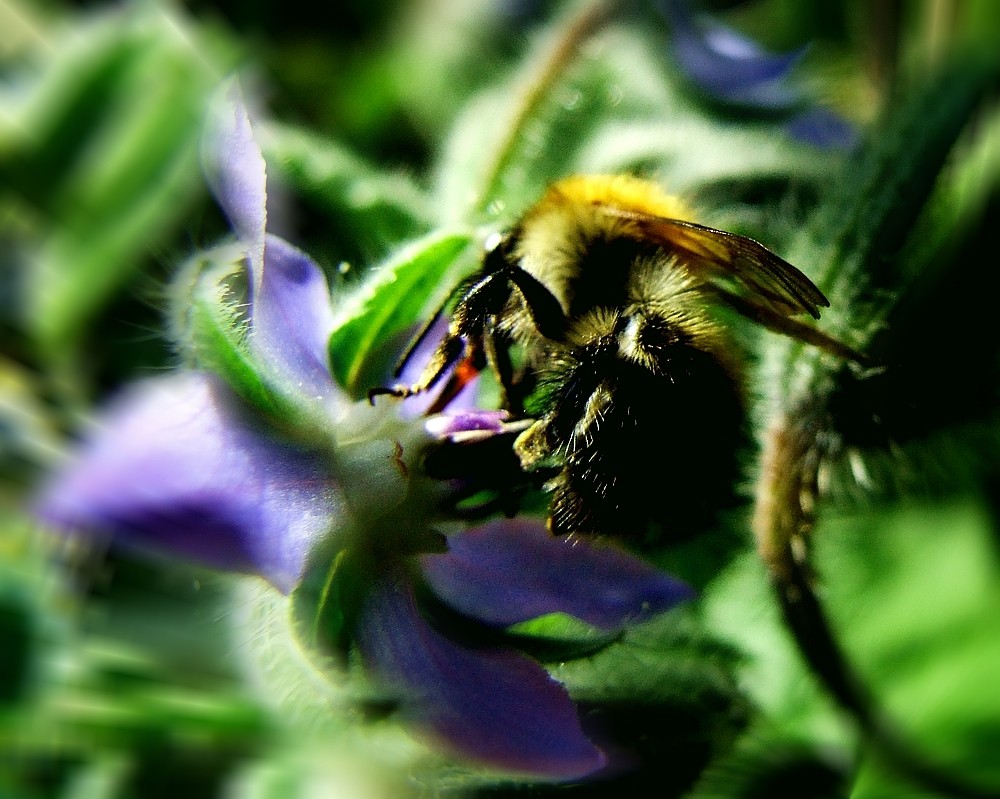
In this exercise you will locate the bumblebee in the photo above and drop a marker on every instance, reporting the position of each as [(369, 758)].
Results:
[(598, 314)]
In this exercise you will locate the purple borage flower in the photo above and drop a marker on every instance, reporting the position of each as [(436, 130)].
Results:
[(183, 465), (737, 72)]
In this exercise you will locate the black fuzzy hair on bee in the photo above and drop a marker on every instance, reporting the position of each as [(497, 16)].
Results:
[(635, 388)]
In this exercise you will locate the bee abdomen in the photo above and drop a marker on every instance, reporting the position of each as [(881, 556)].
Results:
[(645, 448)]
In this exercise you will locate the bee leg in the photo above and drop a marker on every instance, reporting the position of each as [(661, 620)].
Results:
[(546, 312), (448, 352), (532, 446), (486, 295), (497, 352), (417, 341), (567, 510), (464, 372)]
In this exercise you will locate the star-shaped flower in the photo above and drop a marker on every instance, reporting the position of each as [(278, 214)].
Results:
[(185, 465)]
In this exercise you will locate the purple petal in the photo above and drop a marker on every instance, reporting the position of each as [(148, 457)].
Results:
[(509, 571), (490, 705), (181, 469), (289, 296), (823, 128), (728, 65), (236, 172), (292, 320), (466, 423)]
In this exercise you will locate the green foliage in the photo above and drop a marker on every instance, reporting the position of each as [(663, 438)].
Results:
[(100, 153), (365, 212), (615, 108), (913, 592)]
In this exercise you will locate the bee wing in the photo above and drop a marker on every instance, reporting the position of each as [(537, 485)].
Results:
[(725, 259)]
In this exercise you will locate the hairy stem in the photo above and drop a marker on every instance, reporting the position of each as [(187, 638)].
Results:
[(788, 491), (551, 64)]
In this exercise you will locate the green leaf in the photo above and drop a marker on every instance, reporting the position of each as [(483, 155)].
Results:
[(29, 434), (44, 129), (102, 777), (374, 322), (666, 693), (872, 240), (912, 591), (36, 620), (612, 107), (915, 592), (771, 762), (852, 243), (739, 608), (697, 156)]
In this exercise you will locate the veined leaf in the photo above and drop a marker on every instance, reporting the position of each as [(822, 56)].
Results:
[(375, 321)]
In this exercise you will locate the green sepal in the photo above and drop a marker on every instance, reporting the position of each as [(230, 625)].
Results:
[(327, 600), (375, 322), (559, 637), (208, 322)]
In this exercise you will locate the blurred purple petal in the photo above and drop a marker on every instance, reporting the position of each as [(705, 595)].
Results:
[(729, 66), (180, 469), (292, 320), (491, 705), (823, 128), (509, 571), (236, 173)]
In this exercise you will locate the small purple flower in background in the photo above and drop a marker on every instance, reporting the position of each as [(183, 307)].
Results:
[(824, 128), (184, 466), (729, 66), (735, 71)]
